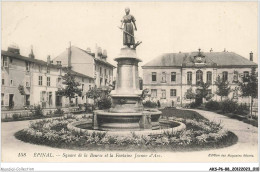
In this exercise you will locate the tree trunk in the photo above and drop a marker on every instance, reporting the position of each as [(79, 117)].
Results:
[(251, 106)]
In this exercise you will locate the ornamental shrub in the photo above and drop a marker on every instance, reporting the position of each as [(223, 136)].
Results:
[(228, 106), (104, 103), (37, 110), (242, 109), (149, 104), (59, 111), (212, 105)]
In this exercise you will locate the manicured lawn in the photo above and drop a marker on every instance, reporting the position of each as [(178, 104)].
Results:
[(185, 114)]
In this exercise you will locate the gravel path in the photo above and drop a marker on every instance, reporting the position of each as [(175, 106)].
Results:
[(246, 150)]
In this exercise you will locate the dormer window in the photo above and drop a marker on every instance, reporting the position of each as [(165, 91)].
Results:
[(59, 63), (199, 58)]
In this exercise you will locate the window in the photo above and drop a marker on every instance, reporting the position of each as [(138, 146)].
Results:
[(100, 70), (89, 87), (48, 69), (59, 81), (49, 98), (173, 92), (82, 87), (11, 82), (209, 77), (105, 81), (40, 80), (59, 63), (189, 78), (153, 92), (199, 77), (100, 81), (5, 62), (163, 94), (106, 72), (163, 76), (173, 76), (40, 68), (11, 60), (153, 76), (235, 76), (225, 76), (27, 66), (27, 84), (2, 99), (246, 74), (48, 81), (3, 79)]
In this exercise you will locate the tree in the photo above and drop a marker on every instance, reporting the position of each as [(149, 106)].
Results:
[(249, 87), (100, 96), (21, 90), (190, 95), (71, 86), (202, 92), (223, 88)]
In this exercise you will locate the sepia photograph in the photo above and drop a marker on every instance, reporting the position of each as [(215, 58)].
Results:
[(130, 82)]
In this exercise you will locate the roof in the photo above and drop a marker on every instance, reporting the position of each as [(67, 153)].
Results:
[(80, 74), (217, 59), (96, 59), (18, 56), (41, 62)]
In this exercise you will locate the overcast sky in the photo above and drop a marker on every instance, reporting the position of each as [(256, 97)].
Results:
[(162, 27)]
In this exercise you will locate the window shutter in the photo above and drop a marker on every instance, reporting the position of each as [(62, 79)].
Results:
[(6, 99), (41, 98), (47, 96)]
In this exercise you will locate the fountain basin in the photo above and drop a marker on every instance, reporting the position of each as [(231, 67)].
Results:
[(84, 127), (111, 121)]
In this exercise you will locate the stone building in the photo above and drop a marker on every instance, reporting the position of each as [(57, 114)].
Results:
[(91, 64), (169, 76), (28, 81)]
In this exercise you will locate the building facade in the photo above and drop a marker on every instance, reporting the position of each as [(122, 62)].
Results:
[(91, 64), (169, 77), (27, 81)]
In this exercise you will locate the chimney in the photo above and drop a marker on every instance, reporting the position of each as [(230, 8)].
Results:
[(14, 49), (100, 51), (31, 55), (210, 50), (88, 50), (104, 54), (96, 51), (69, 56), (48, 59), (251, 56)]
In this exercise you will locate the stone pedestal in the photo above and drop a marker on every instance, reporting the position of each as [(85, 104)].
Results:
[(127, 93)]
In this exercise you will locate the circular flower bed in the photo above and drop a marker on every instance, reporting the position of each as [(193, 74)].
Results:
[(199, 134)]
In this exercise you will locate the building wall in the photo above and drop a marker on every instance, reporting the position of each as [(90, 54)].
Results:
[(15, 72), (181, 85), (43, 95), (81, 62), (108, 76)]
